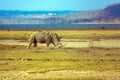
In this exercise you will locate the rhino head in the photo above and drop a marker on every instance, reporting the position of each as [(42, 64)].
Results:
[(56, 40)]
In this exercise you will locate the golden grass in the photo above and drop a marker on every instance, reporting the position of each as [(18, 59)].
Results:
[(15, 34), (14, 59), (20, 58), (90, 34), (76, 34)]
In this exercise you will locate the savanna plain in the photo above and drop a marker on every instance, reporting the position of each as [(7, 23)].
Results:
[(66, 63)]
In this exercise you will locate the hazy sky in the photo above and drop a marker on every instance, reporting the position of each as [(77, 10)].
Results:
[(55, 4)]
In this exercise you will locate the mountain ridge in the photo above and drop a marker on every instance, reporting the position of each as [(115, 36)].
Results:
[(110, 14)]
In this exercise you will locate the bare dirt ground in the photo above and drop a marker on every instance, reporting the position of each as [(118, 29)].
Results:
[(73, 43), (60, 75)]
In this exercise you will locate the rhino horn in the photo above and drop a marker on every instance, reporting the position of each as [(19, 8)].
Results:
[(62, 45)]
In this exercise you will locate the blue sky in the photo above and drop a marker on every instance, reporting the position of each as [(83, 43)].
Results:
[(76, 5)]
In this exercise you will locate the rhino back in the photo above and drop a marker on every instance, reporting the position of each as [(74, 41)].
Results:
[(43, 36), (38, 36)]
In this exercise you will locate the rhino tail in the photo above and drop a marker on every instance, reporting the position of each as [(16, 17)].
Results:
[(32, 38)]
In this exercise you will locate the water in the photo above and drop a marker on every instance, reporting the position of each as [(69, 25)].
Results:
[(57, 26)]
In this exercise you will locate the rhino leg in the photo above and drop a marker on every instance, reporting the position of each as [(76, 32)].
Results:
[(33, 40), (48, 43), (53, 44), (35, 44), (30, 45)]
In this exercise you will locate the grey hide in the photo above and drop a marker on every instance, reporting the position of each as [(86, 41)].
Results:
[(44, 37)]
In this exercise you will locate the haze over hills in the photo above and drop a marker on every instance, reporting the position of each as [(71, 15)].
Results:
[(110, 14)]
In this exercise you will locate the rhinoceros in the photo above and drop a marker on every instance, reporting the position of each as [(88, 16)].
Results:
[(45, 37)]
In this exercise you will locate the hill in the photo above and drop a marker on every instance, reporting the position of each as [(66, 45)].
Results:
[(110, 14)]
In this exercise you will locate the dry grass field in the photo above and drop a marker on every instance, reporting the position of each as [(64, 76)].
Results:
[(71, 34), (19, 63)]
